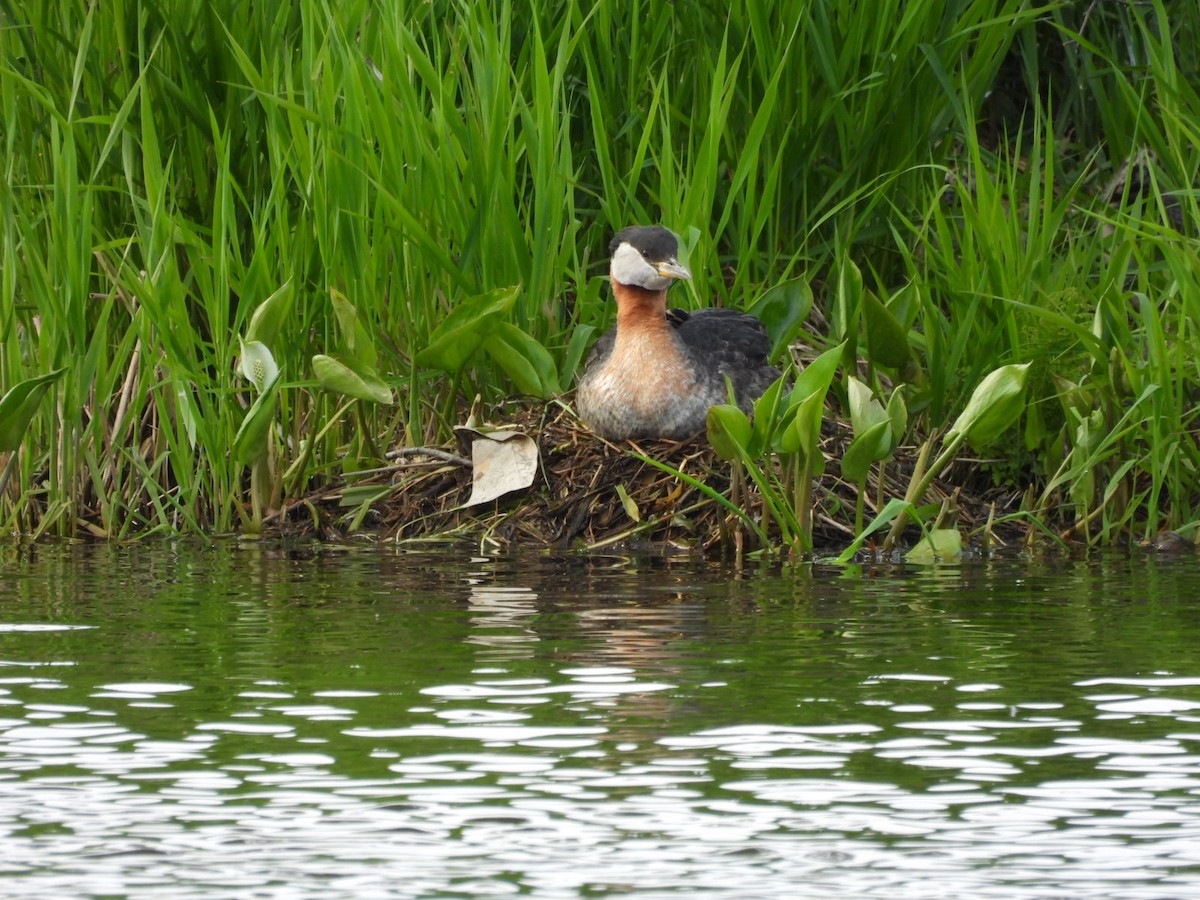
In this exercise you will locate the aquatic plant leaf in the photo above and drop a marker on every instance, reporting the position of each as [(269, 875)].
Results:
[(729, 431), (766, 417), (257, 365), (18, 406), (846, 302), (937, 545), (873, 444), (462, 332), (501, 462), (887, 339), (783, 309), (994, 406), (817, 376), (351, 378), (802, 433), (905, 304), (270, 315), (524, 360), (250, 442), (355, 339), (799, 427), (865, 411), (897, 411)]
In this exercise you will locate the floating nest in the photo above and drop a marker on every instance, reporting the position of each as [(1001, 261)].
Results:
[(590, 493)]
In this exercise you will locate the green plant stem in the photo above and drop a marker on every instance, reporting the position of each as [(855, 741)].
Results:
[(921, 480), (859, 504)]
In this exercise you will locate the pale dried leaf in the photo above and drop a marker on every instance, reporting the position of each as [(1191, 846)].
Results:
[(502, 462)]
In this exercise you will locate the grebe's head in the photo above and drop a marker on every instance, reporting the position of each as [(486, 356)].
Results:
[(645, 256)]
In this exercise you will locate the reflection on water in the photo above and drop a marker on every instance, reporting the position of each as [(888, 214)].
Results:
[(231, 721)]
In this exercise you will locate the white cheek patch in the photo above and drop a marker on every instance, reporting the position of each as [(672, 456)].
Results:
[(629, 267)]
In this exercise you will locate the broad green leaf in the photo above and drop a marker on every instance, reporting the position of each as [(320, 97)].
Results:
[(257, 365), (905, 305), (873, 444), (865, 411), (355, 339), (993, 407), (897, 411), (524, 360), (19, 405), (817, 376), (270, 315), (250, 442), (729, 431), (463, 331), (351, 378), (766, 417), (940, 544), (846, 302), (346, 315), (783, 309), (887, 339), (802, 433)]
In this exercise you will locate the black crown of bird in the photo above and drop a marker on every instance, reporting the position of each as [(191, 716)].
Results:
[(656, 373)]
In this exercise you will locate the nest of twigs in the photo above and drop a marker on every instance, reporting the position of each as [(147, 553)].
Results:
[(591, 493)]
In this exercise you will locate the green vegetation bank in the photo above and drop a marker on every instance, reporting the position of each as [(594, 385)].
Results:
[(246, 248)]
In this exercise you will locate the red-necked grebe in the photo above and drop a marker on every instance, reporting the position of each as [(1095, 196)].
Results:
[(657, 372)]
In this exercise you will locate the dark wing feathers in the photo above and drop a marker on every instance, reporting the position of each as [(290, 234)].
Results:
[(726, 337), (714, 338), (729, 342), (717, 342)]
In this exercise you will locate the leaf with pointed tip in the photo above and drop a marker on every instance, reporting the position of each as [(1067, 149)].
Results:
[(782, 309), (355, 339), (994, 406), (350, 378), (846, 302), (463, 331), (873, 444), (905, 304), (766, 418), (270, 315), (865, 411), (887, 339), (524, 360), (631, 508), (728, 431), (817, 376), (802, 432), (18, 406), (250, 442), (897, 411)]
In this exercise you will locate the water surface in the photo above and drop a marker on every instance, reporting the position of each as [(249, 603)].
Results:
[(247, 722)]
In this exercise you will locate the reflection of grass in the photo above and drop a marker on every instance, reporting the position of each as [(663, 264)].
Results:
[(167, 170)]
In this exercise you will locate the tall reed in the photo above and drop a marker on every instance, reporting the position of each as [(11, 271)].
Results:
[(167, 166)]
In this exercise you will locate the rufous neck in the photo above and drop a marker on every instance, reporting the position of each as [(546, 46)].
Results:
[(639, 307)]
